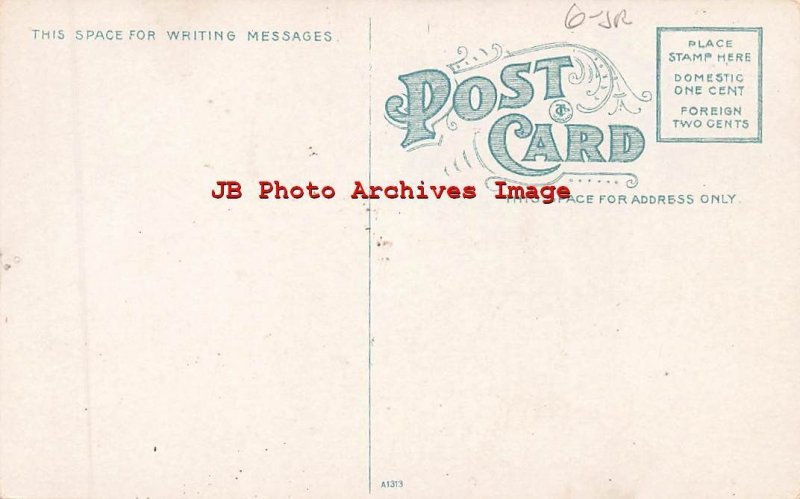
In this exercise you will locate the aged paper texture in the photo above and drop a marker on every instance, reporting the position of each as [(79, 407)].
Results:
[(399, 249)]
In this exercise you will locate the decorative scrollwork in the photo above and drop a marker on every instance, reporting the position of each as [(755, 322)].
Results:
[(605, 81), (631, 180), (468, 63)]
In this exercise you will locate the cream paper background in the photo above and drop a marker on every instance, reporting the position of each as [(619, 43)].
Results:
[(159, 343)]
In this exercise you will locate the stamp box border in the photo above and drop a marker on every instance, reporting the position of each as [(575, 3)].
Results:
[(760, 32)]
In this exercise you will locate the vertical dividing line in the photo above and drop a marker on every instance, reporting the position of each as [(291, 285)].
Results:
[(369, 287), (3, 329)]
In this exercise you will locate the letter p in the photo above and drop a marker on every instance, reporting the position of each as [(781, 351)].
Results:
[(427, 92)]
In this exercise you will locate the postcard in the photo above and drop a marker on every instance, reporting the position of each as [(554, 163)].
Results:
[(419, 249)]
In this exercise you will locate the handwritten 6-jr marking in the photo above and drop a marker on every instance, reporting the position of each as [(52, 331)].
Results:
[(576, 17)]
